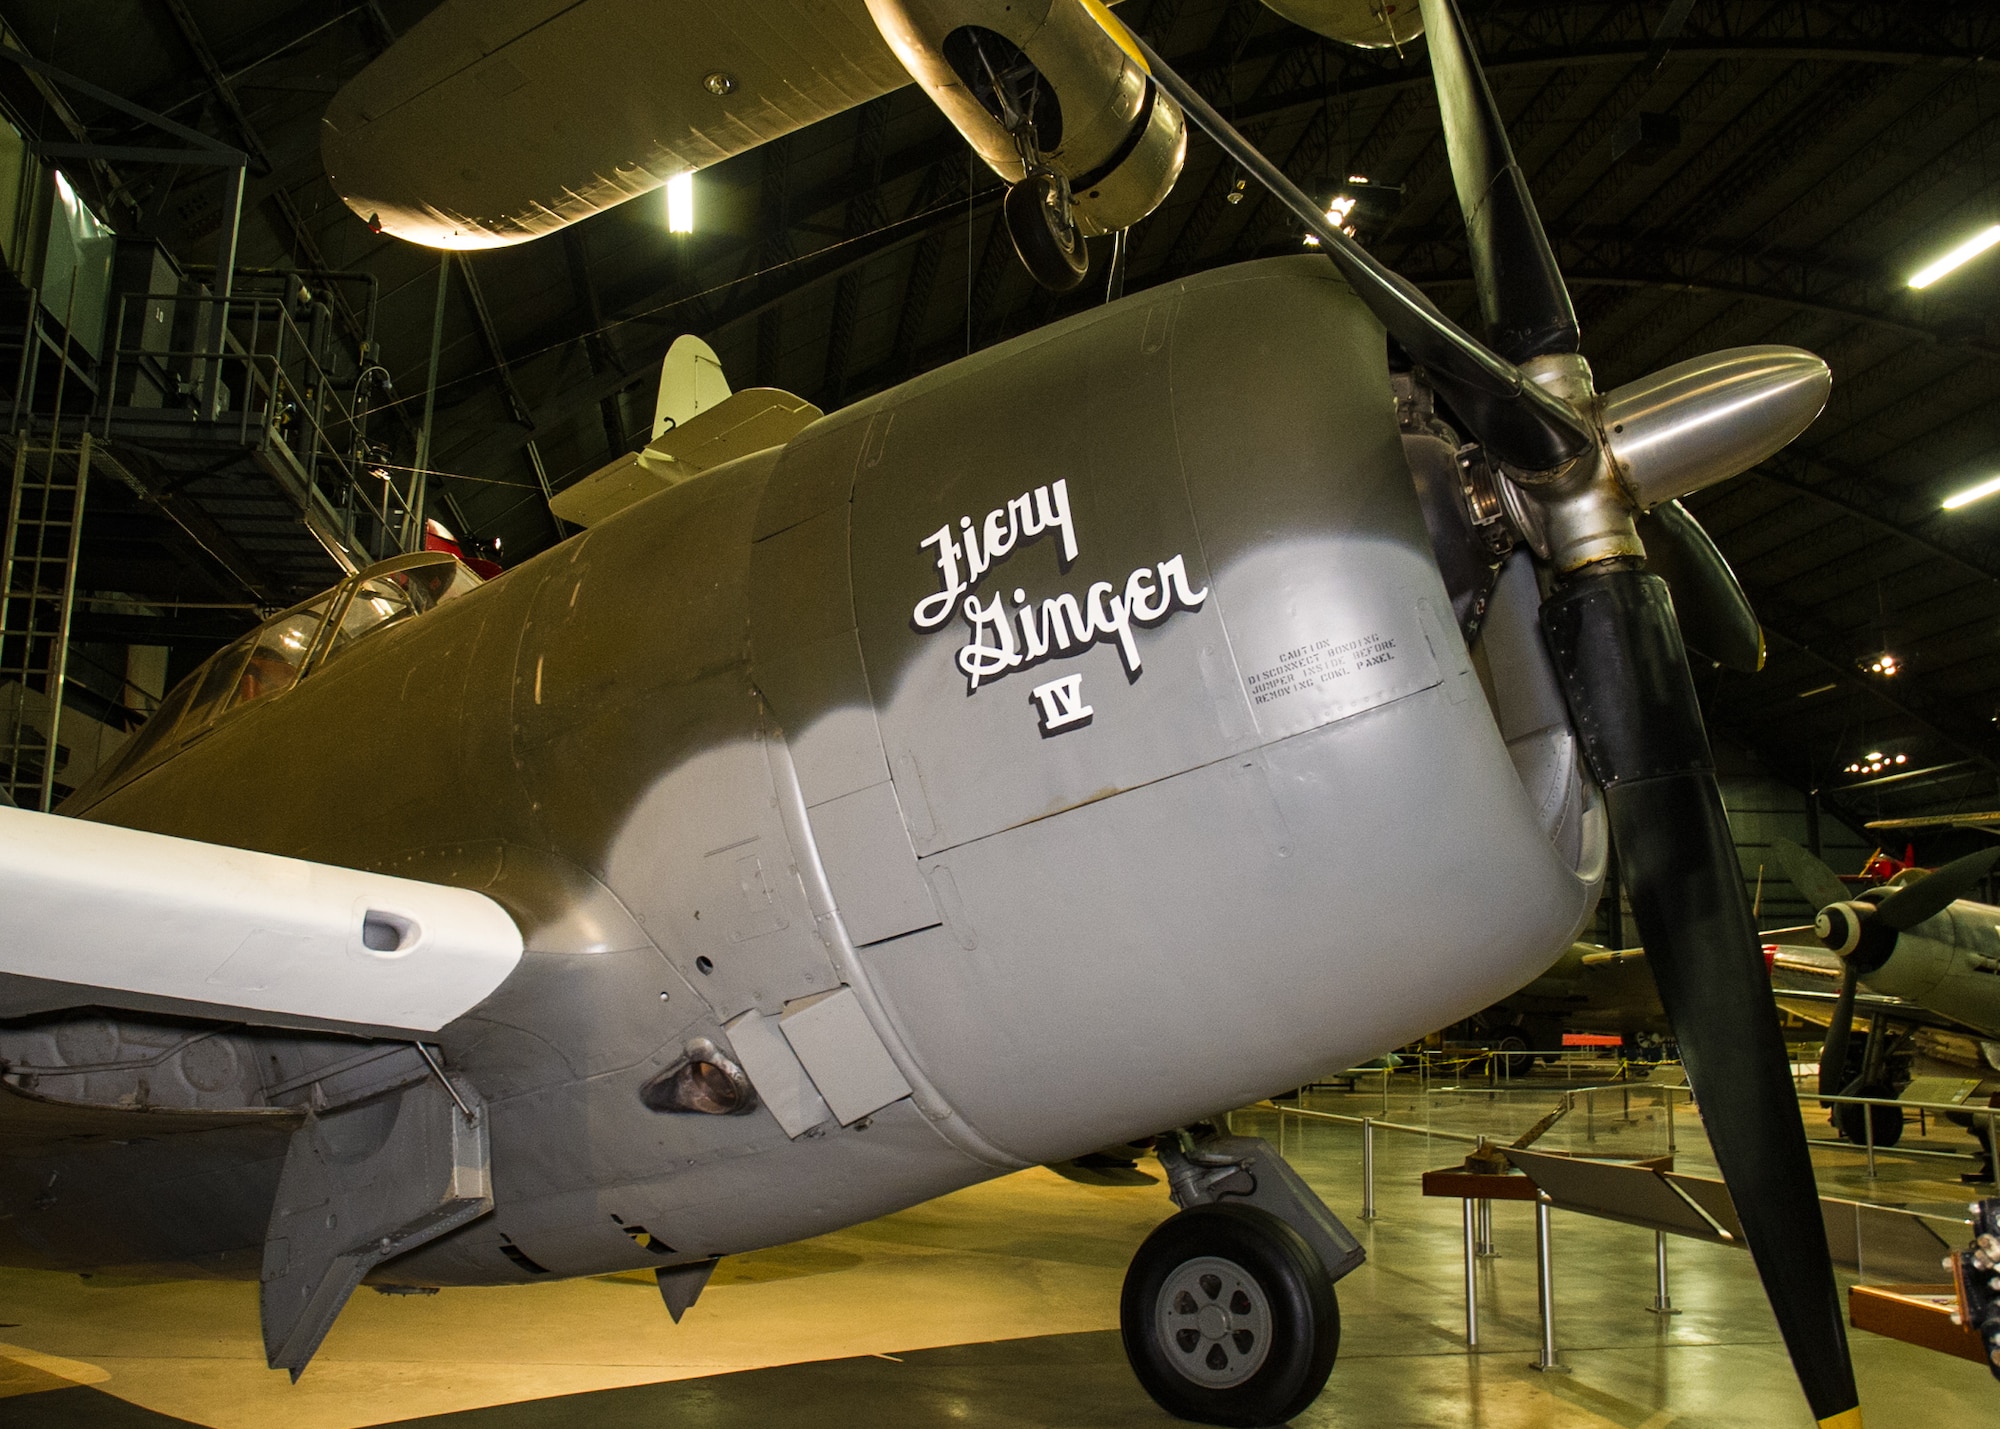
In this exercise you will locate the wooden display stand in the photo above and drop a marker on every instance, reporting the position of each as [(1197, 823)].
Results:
[(1479, 1185), (1918, 1314)]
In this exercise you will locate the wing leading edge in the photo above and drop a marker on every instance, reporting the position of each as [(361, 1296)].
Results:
[(139, 914)]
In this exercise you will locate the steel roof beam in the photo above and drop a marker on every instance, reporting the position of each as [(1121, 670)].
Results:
[(1943, 716)]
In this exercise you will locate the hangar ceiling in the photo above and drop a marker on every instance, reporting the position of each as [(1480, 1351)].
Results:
[(1713, 172)]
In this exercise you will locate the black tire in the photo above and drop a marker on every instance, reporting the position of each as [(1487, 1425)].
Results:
[(1511, 1049), (1266, 1355), (1053, 252), (1888, 1120)]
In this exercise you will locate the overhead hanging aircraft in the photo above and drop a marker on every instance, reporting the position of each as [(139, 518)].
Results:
[(491, 124), (929, 793)]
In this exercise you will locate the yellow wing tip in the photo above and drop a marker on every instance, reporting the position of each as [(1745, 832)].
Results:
[(1846, 1419)]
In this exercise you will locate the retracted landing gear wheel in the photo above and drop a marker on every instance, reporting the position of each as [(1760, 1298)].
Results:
[(1051, 249), (1888, 1119), (1229, 1318)]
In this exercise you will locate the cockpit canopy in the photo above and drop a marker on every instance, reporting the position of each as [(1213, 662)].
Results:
[(290, 647)]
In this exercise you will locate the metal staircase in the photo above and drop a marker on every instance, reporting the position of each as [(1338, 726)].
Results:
[(51, 478)]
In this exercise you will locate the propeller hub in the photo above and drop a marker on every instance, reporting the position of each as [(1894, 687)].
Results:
[(1704, 420), (1856, 931), (1839, 926)]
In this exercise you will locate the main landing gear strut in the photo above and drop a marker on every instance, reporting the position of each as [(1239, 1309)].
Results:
[(1228, 1313)]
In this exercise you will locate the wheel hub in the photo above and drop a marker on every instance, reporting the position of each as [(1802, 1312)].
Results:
[(1214, 1320)]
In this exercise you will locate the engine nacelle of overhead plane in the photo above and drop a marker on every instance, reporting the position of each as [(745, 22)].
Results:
[(1099, 120)]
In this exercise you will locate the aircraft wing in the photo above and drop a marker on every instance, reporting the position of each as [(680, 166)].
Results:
[(1989, 822), (93, 913), (491, 122), (1814, 964), (1816, 1005)]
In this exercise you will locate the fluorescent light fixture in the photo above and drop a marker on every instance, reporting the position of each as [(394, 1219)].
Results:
[(1978, 491), (1958, 257), (680, 203)]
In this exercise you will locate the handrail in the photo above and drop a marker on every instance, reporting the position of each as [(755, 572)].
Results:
[(1989, 1116), (1376, 1121), (288, 401)]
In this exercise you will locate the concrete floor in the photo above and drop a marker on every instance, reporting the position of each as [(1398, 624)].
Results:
[(997, 1306)]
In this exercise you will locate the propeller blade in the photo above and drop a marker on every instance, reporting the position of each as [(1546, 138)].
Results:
[(1516, 420), (1935, 892), (1625, 676), (1811, 877), (1839, 1029), (1714, 614), (1521, 293)]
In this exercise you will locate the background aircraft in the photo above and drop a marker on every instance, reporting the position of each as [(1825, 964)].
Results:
[(1987, 822), (1923, 950), (974, 779)]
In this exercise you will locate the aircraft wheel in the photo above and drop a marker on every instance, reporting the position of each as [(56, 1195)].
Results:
[(1512, 1050), (1888, 1120), (1229, 1318), (1051, 250)]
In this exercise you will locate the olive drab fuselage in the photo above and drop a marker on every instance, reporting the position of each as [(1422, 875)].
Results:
[(1085, 723)]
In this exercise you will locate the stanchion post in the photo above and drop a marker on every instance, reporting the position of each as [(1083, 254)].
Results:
[(1663, 1303), (1367, 1168), (1471, 1281), (1545, 1292), (1669, 1094), (1484, 1224), (1868, 1135)]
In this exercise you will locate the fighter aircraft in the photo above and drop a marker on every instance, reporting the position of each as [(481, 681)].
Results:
[(1045, 754), (1914, 939)]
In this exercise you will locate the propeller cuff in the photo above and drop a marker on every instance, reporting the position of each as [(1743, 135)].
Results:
[(1598, 630)]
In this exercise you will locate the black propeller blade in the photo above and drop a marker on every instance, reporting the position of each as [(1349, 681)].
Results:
[(1625, 675), (1839, 1032), (1935, 892), (1714, 614), (1521, 291), (1611, 630), (1618, 650)]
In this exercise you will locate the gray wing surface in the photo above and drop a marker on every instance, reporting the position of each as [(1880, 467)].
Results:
[(495, 121)]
